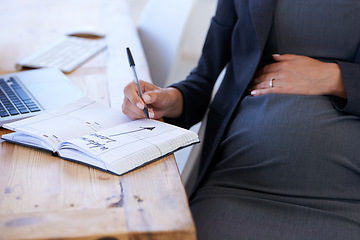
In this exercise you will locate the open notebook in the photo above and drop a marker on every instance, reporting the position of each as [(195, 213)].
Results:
[(89, 133)]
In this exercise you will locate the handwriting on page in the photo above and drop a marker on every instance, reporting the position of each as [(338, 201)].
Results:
[(96, 140), (91, 143)]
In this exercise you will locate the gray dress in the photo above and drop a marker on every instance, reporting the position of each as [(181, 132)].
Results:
[(289, 165)]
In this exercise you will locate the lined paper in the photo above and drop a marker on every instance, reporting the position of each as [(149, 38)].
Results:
[(76, 119), (130, 145)]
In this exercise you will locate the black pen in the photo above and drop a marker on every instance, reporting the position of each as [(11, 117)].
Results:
[(132, 65)]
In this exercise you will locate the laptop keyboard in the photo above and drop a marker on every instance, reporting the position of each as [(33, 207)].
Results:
[(14, 100), (66, 54)]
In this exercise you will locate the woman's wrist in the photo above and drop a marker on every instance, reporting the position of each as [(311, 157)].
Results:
[(175, 103), (337, 87)]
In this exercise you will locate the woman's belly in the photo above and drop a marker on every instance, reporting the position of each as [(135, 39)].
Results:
[(291, 144)]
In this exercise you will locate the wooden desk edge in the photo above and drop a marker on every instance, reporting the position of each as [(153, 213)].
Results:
[(50, 225)]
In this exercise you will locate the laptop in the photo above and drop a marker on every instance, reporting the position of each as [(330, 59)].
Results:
[(28, 93)]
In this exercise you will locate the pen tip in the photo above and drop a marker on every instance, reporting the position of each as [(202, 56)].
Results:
[(146, 113)]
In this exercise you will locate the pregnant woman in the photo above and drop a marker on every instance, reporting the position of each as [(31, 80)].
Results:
[(281, 154)]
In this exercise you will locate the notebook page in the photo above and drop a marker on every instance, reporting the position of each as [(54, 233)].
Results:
[(76, 119), (132, 144)]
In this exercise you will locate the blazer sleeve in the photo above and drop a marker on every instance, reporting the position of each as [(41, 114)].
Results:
[(216, 52), (351, 76)]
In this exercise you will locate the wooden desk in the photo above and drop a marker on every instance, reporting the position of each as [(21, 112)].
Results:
[(43, 197)]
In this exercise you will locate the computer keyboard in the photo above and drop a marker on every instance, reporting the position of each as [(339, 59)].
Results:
[(67, 53), (14, 100)]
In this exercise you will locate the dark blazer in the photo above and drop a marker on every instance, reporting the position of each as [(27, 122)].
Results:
[(236, 39)]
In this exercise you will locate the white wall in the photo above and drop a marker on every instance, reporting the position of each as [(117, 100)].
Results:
[(197, 27), (194, 35), (193, 39)]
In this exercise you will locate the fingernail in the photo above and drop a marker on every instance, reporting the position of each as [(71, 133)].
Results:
[(140, 105), (151, 114), (253, 93), (146, 98), (276, 55)]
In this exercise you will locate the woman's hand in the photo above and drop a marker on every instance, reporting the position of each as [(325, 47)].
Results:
[(161, 102), (295, 74)]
